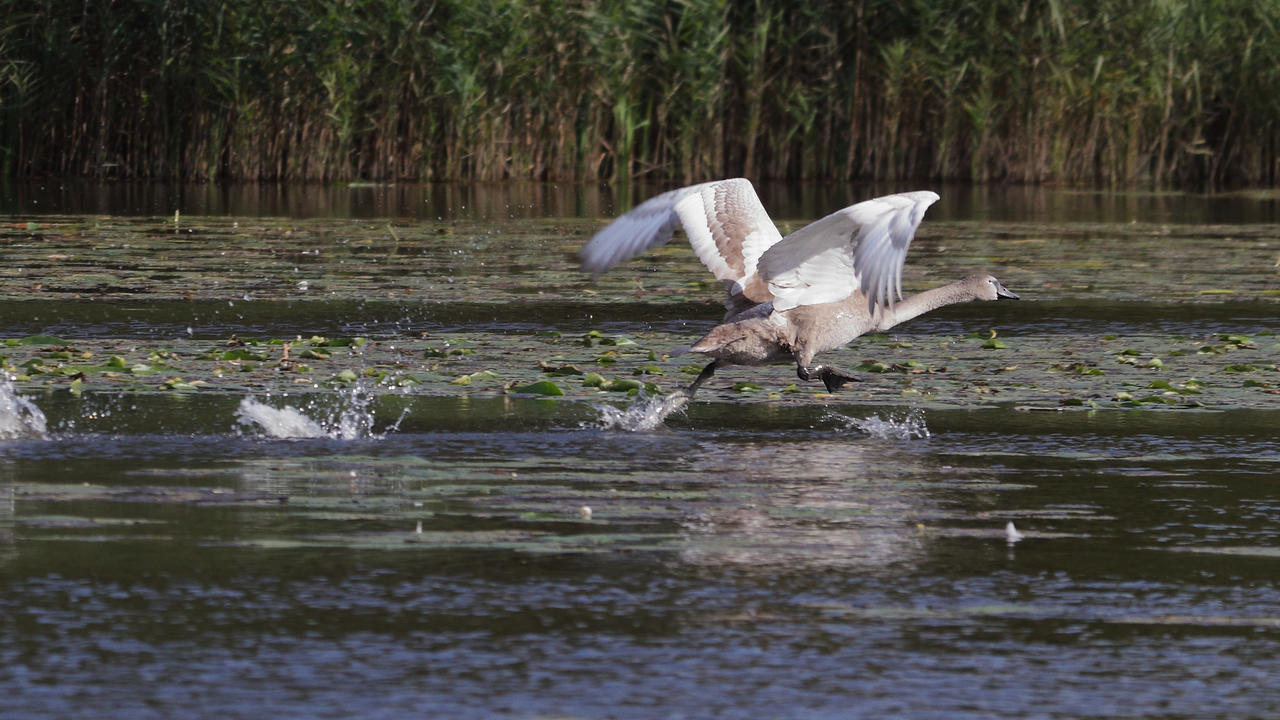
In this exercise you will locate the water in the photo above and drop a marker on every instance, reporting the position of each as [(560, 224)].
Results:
[(740, 565), (296, 506), (519, 200)]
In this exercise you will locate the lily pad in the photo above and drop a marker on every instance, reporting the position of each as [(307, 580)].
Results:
[(35, 340), (540, 387)]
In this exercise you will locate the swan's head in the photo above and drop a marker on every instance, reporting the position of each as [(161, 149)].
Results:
[(987, 287)]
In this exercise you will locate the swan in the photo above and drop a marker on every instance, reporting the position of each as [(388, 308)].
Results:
[(794, 297)]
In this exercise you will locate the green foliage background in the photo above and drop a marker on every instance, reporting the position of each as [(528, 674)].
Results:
[(1111, 92)]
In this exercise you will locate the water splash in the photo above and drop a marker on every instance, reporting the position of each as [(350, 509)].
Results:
[(285, 422), (351, 419), (19, 417), (907, 426), (1011, 534), (646, 413)]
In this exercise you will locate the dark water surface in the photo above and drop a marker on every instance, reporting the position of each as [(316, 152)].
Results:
[(440, 549), (485, 201)]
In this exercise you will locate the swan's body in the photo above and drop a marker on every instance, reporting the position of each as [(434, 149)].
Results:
[(794, 297)]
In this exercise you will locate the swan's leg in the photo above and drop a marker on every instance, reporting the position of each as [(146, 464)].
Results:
[(834, 379), (706, 373)]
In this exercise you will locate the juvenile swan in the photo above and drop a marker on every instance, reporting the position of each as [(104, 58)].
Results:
[(794, 297)]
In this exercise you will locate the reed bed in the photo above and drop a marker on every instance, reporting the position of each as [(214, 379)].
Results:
[(1116, 93)]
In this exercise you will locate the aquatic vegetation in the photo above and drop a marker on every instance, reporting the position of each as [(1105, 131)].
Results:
[(1037, 368), (1080, 93), (395, 326), (540, 387)]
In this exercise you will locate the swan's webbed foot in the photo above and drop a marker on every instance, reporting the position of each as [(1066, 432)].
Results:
[(835, 379), (832, 378)]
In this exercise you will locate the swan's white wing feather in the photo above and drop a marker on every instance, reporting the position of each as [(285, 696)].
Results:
[(643, 228), (861, 247), (726, 224), (728, 227)]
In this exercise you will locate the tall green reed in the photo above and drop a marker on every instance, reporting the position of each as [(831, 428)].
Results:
[(1156, 92)]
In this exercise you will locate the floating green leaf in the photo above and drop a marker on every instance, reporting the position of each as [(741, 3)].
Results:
[(540, 387), (448, 352), (623, 385), (177, 383), (559, 370), (36, 340), (345, 376), (1243, 341)]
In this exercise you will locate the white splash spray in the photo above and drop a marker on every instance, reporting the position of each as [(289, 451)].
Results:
[(285, 422), (909, 426), (646, 413), (351, 419), (19, 417)]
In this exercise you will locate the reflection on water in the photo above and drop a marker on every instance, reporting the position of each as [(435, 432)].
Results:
[(779, 558), (514, 200), (832, 499)]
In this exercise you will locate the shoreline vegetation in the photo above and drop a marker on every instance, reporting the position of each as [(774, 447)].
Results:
[(1115, 94)]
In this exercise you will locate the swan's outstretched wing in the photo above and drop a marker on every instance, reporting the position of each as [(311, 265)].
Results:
[(726, 224), (861, 247)]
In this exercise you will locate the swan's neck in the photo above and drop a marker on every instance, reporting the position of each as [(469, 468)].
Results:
[(921, 303)]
